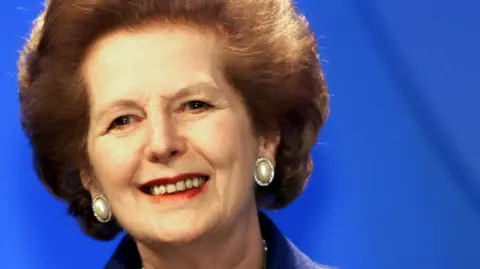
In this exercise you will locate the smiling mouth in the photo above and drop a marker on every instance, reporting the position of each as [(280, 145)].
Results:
[(178, 185)]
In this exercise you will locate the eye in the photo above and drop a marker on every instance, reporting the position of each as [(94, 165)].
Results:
[(196, 106), (121, 122)]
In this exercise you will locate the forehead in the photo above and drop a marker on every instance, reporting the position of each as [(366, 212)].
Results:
[(162, 58)]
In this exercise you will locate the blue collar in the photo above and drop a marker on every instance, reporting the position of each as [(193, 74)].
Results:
[(282, 254)]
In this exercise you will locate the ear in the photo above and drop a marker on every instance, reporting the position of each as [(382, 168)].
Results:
[(89, 183), (268, 145)]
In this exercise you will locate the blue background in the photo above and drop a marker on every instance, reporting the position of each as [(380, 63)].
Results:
[(396, 181)]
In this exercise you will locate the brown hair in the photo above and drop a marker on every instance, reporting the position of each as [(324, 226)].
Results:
[(270, 58)]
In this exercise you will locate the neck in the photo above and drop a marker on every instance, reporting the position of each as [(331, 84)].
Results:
[(238, 246)]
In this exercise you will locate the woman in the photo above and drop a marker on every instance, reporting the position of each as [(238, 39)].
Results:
[(175, 121)]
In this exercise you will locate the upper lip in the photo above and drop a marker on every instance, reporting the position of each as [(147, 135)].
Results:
[(171, 180)]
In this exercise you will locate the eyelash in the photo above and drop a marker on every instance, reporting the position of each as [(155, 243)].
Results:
[(204, 106), (120, 122), (198, 107)]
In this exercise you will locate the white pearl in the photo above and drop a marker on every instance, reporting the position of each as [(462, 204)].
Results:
[(101, 209), (264, 172)]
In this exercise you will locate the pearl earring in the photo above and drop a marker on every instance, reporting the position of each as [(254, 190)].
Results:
[(264, 171), (101, 209)]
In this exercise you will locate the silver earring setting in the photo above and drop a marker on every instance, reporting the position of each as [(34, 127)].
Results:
[(264, 171), (101, 209)]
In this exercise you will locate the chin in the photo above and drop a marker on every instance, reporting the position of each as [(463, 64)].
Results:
[(178, 228), (178, 236)]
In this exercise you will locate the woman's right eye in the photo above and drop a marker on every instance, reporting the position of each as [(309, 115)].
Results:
[(121, 122)]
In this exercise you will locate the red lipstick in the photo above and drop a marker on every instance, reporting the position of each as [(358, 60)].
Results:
[(184, 195), (172, 180)]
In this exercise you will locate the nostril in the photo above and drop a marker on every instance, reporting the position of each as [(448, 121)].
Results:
[(173, 154), (164, 158)]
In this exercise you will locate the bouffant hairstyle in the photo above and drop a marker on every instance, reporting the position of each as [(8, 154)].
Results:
[(269, 56)]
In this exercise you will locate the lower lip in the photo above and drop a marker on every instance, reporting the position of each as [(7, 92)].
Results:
[(178, 196)]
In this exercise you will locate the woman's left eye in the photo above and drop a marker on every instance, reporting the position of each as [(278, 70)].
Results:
[(196, 106)]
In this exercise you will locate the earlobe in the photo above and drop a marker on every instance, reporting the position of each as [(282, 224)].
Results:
[(100, 206), (268, 145), (89, 183)]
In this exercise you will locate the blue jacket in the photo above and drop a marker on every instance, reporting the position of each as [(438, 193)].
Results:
[(282, 254)]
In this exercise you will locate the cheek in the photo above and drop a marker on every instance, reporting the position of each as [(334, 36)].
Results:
[(224, 135), (115, 159), (227, 142)]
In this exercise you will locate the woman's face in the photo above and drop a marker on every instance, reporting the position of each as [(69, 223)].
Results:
[(164, 119)]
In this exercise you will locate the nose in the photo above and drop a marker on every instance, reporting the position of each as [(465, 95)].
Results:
[(164, 142)]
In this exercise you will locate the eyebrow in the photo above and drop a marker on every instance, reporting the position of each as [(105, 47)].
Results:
[(118, 103), (182, 92), (194, 89)]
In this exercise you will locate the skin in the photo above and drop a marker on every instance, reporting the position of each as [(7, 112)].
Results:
[(160, 106)]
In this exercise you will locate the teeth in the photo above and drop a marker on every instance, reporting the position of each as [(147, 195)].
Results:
[(162, 189), (189, 183), (181, 185), (171, 188)]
